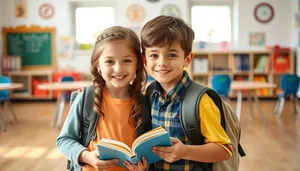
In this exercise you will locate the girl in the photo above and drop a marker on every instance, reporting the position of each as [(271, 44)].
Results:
[(116, 62)]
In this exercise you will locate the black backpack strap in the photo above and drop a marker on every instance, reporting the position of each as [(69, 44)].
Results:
[(146, 124), (190, 120), (150, 92), (89, 117)]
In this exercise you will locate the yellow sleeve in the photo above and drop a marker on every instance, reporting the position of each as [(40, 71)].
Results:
[(211, 127)]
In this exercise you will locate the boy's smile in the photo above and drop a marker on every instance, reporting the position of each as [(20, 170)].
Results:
[(165, 64)]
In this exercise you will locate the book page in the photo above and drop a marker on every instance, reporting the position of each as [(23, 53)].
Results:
[(150, 134), (116, 148), (116, 143)]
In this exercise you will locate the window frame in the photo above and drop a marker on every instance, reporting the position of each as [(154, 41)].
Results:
[(213, 3), (73, 5)]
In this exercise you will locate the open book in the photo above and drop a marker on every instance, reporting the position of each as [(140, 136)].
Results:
[(141, 147)]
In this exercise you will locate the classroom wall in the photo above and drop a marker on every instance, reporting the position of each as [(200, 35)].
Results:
[(280, 31)]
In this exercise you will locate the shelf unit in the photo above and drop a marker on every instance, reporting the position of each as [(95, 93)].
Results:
[(26, 78), (261, 67)]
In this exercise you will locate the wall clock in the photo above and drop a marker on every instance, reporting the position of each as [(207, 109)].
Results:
[(264, 12), (135, 13), (46, 11), (171, 10), (153, 0)]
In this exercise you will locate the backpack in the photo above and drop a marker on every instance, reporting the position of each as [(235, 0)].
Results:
[(190, 122), (90, 118)]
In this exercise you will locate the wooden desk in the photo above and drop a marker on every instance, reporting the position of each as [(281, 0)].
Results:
[(250, 87), (62, 87), (9, 86)]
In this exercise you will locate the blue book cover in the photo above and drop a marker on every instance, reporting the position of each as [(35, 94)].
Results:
[(141, 147)]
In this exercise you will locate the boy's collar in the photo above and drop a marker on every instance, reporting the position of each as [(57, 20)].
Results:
[(178, 90)]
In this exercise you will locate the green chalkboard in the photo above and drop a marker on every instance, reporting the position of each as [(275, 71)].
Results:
[(34, 48), (34, 44)]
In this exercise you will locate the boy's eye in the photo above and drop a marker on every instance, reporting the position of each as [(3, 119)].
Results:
[(109, 62), (127, 60), (172, 55), (153, 55)]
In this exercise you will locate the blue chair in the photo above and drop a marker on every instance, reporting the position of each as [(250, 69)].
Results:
[(221, 84), (64, 95), (4, 97), (66, 79), (289, 84)]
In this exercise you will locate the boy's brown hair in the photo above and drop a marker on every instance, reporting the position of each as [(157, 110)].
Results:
[(164, 30)]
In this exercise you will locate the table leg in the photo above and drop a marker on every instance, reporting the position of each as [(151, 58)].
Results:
[(61, 108), (2, 124), (12, 110), (250, 104), (7, 111), (54, 117), (239, 104), (258, 107)]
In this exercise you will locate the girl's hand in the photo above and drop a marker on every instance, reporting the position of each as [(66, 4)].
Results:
[(100, 164), (141, 165)]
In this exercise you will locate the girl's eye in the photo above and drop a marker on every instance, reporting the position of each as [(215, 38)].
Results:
[(109, 62), (127, 60), (172, 55)]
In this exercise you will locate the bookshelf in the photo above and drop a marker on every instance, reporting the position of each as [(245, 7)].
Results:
[(30, 79), (263, 66)]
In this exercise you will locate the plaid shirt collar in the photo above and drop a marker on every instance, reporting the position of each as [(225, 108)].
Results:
[(176, 92)]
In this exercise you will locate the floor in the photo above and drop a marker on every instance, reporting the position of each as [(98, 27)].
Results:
[(29, 143)]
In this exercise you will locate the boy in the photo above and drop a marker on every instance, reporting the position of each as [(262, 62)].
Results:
[(167, 44)]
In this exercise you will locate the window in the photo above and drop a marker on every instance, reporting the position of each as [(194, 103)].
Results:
[(211, 23), (91, 21)]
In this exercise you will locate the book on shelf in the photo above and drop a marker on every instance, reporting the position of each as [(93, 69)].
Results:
[(141, 147), (262, 65)]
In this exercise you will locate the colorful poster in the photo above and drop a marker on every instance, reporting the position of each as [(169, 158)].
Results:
[(65, 47), (257, 39), (21, 8)]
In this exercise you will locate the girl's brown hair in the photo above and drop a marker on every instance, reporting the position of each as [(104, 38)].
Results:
[(109, 35)]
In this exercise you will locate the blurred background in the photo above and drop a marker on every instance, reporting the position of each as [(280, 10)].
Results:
[(254, 43)]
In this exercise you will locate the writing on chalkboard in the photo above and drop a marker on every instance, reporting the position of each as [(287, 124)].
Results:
[(35, 45)]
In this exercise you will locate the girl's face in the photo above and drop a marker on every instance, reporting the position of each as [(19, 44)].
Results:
[(117, 64)]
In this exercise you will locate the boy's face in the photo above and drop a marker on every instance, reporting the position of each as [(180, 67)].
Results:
[(165, 64)]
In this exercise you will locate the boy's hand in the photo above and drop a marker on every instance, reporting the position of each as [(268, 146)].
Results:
[(141, 165), (100, 164), (173, 153)]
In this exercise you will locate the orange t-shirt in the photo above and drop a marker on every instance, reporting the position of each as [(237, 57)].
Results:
[(114, 125)]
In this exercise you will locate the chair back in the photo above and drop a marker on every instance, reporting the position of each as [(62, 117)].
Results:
[(66, 78), (289, 84), (221, 84), (4, 94)]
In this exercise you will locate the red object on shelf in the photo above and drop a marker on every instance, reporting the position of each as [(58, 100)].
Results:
[(59, 74), (37, 92), (281, 62)]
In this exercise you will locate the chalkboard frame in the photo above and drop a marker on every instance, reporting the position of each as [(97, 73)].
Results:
[(33, 29)]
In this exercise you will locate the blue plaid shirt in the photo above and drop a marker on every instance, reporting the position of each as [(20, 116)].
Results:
[(165, 113)]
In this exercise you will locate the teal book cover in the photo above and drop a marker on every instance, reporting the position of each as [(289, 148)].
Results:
[(142, 147)]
